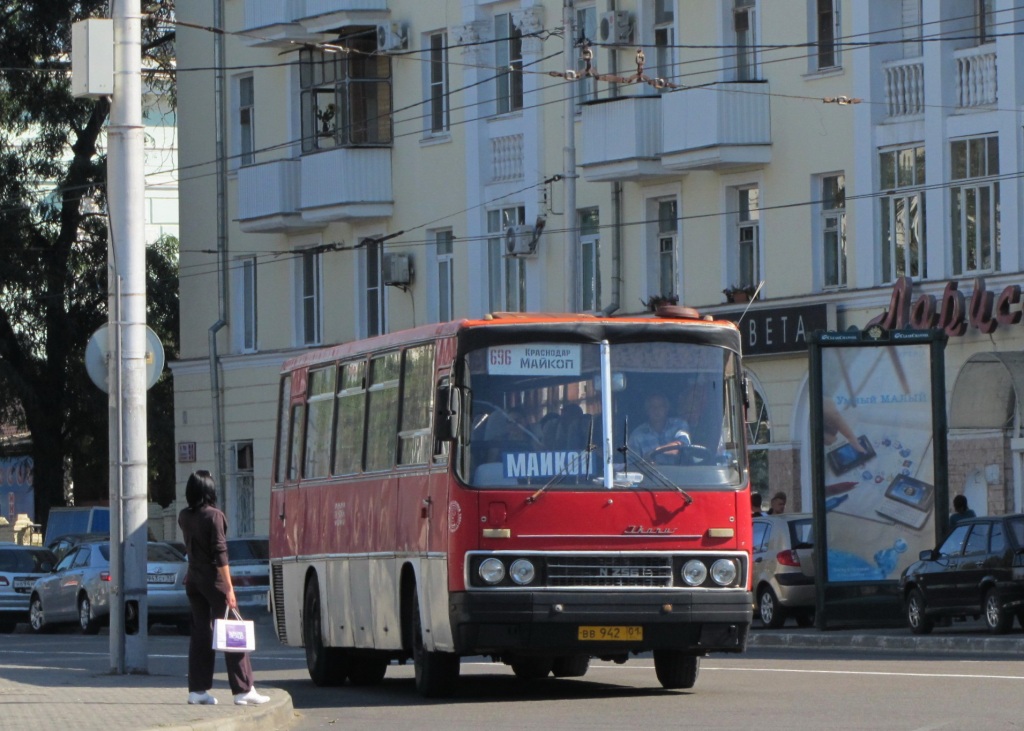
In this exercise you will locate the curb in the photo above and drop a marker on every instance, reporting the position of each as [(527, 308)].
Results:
[(274, 715), (958, 644)]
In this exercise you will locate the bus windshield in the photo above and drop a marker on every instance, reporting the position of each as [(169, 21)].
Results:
[(654, 415)]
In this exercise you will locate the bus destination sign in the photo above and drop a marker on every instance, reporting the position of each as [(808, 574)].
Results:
[(535, 359)]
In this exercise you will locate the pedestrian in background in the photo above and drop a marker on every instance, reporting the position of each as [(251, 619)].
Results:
[(960, 511), (778, 504), (210, 594), (755, 504)]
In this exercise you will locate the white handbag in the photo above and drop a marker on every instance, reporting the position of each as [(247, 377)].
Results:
[(234, 635)]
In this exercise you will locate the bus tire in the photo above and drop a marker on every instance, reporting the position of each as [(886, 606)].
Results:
[(327, 666), (676, 669), (367, 669), (437, 673), (571, 666)]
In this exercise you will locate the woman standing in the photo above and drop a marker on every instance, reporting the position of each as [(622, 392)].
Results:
[(209, 591)]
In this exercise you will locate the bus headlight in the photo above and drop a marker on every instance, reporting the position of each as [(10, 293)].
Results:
[(522, 571), (694, 572), (491, 571), (723, 571)]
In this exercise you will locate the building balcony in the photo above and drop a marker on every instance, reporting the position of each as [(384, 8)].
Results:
[(716, 127), (323, 16), (976, 76), (272, 22), (346, 184), (904, 87), (268, 197), (620, 139)]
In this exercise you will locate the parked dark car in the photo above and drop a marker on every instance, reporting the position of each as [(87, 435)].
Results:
[(20, 566), (977, 571)]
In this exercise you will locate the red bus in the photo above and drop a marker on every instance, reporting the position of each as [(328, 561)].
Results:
[(496, 487)]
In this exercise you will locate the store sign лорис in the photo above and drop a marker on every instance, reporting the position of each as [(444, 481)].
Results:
[(953, 312)]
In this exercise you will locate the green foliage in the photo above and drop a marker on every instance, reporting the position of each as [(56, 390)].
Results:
[(53, 244)]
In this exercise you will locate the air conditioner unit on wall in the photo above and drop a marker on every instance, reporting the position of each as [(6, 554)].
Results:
[(397, 270), (521, 240), (615, 27), (391, 37)]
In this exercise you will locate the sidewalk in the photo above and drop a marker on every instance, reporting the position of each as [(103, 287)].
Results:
[(43, 698)]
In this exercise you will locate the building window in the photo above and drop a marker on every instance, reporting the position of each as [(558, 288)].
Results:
[(586, 29), (373, 287), (985, 21), (246, 314), (345, 96), (309, 287), (243, 517), (903, 239), (743, 23), (748, 251), (589, 225), (444, 255), (246, 122), (833, 229), (664, 40), (506, 274), (827, 16), (910, 24), (974, 204), (438, 83), (668, 221), (509, 50)]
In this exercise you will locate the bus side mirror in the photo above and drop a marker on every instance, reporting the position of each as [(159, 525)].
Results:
[(449, 415), (749, 404)]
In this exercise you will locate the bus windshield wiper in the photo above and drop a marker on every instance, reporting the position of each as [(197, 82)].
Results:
[(649, 469), (591, 447)]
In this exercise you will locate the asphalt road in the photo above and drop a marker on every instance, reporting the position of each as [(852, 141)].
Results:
[(788, 689)]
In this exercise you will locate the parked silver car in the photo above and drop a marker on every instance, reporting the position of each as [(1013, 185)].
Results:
[(20, 566), (78, 589), (784, 568), (249, 562)]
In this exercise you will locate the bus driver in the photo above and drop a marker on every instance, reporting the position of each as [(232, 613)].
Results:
[(659, 429)]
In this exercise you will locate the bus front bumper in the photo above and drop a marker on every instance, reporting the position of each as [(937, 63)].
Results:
[(494, 622)]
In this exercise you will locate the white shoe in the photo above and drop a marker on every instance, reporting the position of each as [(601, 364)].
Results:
[(252, 698), (201, 699)]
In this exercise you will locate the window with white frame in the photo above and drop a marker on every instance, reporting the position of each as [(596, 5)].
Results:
[(985, 21), (437, 85), (345, 96), (826, 33), (974, 205), (444, 257), (245, 316), (664, 40), (589, 223), (373, 287), (246, 121), (506, 275), (668, 226), (508, 46), (911, 28), (586, 30), (747, 237), (903, 236), (833, 229), (309, 287), (745, 38), (243, 519)]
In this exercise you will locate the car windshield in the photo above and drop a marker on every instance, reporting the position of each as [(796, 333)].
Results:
[(162, 553), (248, 550), (29, 561), (538, 416)]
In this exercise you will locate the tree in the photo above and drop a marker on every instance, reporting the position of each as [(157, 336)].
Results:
[(53, 243)]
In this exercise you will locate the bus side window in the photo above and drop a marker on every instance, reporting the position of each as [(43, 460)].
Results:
[(282, 429), (382, 414), (295, 453), (348, 445), (417, 405)]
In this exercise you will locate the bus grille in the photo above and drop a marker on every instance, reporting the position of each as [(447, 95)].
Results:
[(602, 571), (277, 574)]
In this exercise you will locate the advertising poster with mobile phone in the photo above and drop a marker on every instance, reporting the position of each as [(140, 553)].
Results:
[(879, 460)]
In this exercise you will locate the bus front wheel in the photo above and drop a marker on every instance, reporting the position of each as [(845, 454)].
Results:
[(676, 669), (327, 665), (437, 673)]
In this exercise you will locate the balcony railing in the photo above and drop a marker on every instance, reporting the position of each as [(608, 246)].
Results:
[(346, 183), (271, 22), (976, 76), (506, 158), (326, 7), (268, 197), (717, 127), (621, 139), (904, 87)]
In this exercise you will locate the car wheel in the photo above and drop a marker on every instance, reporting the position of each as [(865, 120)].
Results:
[(327, 665), (571, 666), (86, 622), (676, 669), (997, 619), (920, 623), (35, 614), (771, 613), (437, 673)]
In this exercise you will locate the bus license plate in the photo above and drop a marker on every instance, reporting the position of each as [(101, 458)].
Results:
[(611, 633)]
